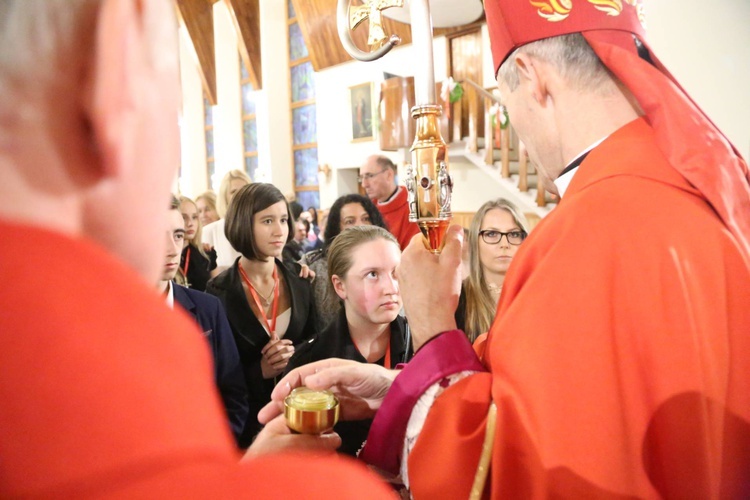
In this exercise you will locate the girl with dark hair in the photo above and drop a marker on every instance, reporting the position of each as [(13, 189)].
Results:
[(347, 211), (269, 307)]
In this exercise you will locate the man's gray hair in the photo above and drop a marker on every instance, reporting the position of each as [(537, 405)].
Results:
[(570, 54), (384, 162)]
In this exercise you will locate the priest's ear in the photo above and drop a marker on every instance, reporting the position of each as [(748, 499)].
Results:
[(533, 75)]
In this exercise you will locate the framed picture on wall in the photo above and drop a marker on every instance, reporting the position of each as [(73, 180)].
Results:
[(360, 101)]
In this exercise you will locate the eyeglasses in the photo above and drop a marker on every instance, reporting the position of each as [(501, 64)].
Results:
[(367, 177), (492, 237)]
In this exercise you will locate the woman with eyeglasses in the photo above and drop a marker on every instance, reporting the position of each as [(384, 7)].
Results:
[(495, 233)]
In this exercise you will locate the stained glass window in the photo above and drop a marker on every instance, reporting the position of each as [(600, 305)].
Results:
[(251, 166), (306, 167), (297, 47), (303, 84), (208, 113), (308, 199), (292, 14), (248, 101), (250, 136), (304, 128)]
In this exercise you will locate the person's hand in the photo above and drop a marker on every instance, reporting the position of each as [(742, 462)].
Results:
[(275, 356), (360, 387), (307, 273), (430, 285), (207, 247), (276, 437)]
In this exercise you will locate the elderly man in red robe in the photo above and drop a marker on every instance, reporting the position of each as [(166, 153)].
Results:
[(619, 362), (104, 391)]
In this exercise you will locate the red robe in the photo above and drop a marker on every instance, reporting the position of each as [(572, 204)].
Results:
[(620, 361), (106, 392), (396, 215)]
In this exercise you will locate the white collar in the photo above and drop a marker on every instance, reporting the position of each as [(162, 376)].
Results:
[(564, 180), (169, 299)]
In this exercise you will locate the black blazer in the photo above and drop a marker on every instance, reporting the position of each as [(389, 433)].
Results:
[(251, 337), (336, 342), (207, 311)]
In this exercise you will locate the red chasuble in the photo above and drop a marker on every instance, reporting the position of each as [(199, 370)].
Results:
[(107, 393), (396, 215), (621, 358)]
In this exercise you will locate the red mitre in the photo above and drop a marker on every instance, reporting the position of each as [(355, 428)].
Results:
[(686, 136)]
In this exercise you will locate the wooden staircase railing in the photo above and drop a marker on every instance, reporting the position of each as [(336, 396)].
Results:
[(510, 148)]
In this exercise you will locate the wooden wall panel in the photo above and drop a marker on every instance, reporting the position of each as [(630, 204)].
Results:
[(317, 19), (246, 17), (465, 63), (198, 18)]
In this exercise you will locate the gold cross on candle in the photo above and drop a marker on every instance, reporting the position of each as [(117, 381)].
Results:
[(370, 9)]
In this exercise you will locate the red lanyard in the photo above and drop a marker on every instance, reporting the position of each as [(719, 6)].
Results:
[(275, 305), (387, 363), (187, 262)]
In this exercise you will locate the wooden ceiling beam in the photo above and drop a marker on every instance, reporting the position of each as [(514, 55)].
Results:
[(246, 18), (198, 17), (317, 19)]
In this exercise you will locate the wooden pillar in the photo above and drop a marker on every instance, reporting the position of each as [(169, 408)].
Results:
[(489, 133), (505, 151), (473, 118), (523, 168)]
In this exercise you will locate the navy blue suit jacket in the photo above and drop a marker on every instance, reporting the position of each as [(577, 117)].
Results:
[(209, 314)]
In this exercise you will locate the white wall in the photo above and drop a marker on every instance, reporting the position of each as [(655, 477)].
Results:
[(706, 46), (334, 114), (192, 140), (273, 111), (228, 148)]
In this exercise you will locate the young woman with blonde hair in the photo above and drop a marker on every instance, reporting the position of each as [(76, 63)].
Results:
[(213, 234), (196, 263), (362, 263), (496, 231), (207, 212)]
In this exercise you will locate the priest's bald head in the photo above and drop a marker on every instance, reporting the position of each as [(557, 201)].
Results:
[(85, 88), (572, 72)]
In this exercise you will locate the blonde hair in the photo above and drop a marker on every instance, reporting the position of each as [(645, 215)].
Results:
[(341, 251), (197, 241), (210, 198), (480, 307), (222, 203)]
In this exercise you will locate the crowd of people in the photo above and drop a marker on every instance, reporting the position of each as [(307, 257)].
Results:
[(290, 302), (605, 354)]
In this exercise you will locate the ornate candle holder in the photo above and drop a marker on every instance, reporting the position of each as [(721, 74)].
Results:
[(427, 178)]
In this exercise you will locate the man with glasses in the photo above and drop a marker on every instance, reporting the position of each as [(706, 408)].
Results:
[(378, 179)]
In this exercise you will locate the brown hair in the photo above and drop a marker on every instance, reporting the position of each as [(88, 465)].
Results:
[(239, 225), (341, 250)]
